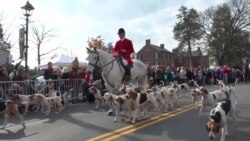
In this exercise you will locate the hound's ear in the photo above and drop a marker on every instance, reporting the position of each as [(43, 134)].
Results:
[(215, 118), (204, 90), (207, 128)]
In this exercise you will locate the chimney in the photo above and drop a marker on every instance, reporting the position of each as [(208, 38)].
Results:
[(198, 48), (162, 46), (148, 42)]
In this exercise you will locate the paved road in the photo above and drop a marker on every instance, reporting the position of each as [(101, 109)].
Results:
[(82, 122), (188, 127)]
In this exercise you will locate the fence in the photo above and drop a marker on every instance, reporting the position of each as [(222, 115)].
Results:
[(9, 88)]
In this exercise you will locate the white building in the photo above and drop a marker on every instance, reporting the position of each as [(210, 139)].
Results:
[(4, 56)]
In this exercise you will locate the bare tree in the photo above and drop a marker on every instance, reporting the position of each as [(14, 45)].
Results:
[(223, 26), (240, 14), (42, 35), (5, 37)]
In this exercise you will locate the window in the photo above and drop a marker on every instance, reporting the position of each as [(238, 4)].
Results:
[(156, 55), (138, 57)]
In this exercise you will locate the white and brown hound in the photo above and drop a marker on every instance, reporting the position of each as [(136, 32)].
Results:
[(11, 108), (218, 119)]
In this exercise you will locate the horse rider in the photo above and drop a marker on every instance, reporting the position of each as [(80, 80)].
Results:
[(124, 48)]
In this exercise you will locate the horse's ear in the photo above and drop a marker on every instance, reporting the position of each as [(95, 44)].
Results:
[(88, 49)]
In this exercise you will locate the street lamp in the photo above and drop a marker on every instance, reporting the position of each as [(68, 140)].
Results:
[(27, 11)]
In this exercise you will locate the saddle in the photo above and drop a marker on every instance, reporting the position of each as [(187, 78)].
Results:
[(127, 75)]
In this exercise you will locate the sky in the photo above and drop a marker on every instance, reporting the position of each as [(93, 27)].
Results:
[(74, 21)]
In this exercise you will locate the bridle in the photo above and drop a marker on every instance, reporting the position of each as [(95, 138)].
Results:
[(102, 66), (97, 59)]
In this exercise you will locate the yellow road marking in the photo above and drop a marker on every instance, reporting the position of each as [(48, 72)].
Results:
[(137, 125), (145, 125)]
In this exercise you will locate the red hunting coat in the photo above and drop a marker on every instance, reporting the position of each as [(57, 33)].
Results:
[(124, 48)]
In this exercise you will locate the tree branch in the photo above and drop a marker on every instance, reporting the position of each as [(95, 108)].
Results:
[(49, 51)]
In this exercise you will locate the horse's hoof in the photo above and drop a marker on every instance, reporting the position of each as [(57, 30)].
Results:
[(110, 113)]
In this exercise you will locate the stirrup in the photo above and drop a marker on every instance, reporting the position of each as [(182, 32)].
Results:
[(127, 78)]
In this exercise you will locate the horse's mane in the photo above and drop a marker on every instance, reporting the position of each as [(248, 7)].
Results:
[(104, 51)]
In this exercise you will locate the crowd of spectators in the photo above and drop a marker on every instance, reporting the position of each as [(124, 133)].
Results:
[(76, 80), (204, 76), (71, 78)]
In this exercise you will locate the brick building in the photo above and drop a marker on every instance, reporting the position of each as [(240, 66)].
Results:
[(155, 55), (181, 58)]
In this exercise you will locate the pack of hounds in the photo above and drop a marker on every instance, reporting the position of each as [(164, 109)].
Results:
[(41, 102), (132, 104)]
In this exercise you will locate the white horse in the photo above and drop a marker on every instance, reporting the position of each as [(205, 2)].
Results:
[(112, 70)]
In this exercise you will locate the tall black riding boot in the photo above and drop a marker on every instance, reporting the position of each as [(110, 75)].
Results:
[(127, 74)]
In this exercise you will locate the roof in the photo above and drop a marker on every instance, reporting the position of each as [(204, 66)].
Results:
[(194, 53), (160, 49), (4, 46), (3, 49), (62, 60)]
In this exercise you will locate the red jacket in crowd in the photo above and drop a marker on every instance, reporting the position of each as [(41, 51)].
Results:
[(225, 70), (124, 48), (86, 76)]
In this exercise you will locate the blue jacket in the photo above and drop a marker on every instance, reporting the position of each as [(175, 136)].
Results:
[(218, 74)]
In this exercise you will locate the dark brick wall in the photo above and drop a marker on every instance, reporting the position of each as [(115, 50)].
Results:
[(147, 55)]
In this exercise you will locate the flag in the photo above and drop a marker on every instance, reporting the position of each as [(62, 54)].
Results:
[(21, 42)]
